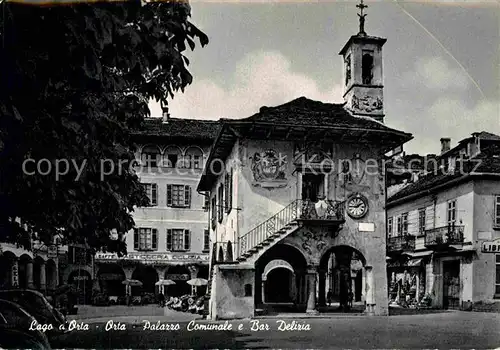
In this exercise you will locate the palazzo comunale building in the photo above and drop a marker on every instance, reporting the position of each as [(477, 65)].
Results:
[(297, 196)]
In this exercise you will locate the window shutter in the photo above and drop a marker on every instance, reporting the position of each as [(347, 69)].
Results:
[(206, 240), (230, 192), (207, 203), (226, 192), (187, 196), (169, 195), (187, 240), (154, 194), (154, 239), (169, 239), (136, 239)]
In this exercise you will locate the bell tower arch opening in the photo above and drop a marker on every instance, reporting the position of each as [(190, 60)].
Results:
[(362, 58)]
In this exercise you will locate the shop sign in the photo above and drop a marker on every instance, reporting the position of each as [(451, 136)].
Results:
[(151, 258), (491, 246), (111, 277), (81, 278), (178, 277)]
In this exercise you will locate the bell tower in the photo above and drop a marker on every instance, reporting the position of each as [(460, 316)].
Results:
[(363, 78)]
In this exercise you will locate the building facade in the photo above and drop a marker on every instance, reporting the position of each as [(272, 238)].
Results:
[(297, 188), (438, 224), (171, 240)]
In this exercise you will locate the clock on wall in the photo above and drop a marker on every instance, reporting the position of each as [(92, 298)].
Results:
[(357, 206)]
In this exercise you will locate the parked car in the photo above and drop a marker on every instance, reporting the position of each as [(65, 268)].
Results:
[(15, 330), (38, 306)]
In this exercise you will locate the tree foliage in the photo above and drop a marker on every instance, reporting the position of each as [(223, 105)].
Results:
[(75, 80)]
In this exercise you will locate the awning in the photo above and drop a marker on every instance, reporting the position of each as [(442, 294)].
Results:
[(419, 254)]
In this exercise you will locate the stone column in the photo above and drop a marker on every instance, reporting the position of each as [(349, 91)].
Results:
[(417, 282), (370, 291), (14, 273), (263, 291), (325, 186), (293, 289), (56, 274), (353, 287), (322, 286), (43, 280), (311, 289), (29, 275), (363, 283)]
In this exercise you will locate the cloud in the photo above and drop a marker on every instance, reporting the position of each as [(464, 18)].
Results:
[(261, 78), (436, 74), (450, 117)]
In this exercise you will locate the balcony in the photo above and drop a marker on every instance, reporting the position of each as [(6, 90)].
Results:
[(322, 211), (400, 244), (444, 237)]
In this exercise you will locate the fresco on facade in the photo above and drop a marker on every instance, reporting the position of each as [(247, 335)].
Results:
[(268, 169)]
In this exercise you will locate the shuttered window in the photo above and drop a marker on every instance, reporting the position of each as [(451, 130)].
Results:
[(178, 240), (179, 196), (151, 192), (220, 203), (146, 239)]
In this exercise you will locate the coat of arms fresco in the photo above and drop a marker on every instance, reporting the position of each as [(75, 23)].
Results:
[(268, 169), (353, 174)]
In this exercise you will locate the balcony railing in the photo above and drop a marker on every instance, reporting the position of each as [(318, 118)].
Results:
[(444, 236), (400, 244), (305, 210)]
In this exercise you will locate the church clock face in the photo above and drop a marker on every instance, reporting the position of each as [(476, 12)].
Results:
[(357, 206)]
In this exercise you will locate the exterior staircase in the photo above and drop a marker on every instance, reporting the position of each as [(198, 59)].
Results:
[(270, 232)]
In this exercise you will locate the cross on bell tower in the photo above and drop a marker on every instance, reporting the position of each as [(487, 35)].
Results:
[(362, 16), (363, 87)]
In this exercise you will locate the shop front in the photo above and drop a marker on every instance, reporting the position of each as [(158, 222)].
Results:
[(406, 281)]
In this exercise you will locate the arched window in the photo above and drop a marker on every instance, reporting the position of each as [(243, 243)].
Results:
[(229, 256), (150, 156), (172, 156), (193, 158), (367, 68), (220, 258)]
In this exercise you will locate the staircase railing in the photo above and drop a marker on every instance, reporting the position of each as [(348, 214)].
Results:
[(297, 210)]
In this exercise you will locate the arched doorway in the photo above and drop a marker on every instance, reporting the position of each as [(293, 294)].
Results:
[(9, 273), (340, 279), (51, 274), (278, 286), (281, 266), (148, 276), (110, 277), (25, 270), (82, 281), (180, 275)]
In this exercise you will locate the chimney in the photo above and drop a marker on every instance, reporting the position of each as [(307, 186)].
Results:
[(445, 144), (165, 115)]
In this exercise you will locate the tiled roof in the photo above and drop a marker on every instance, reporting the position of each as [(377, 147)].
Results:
[(484, 135), (306, 112), (178, 127), (478, 165)]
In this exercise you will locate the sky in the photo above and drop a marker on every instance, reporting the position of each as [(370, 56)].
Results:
[(441, 62)]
